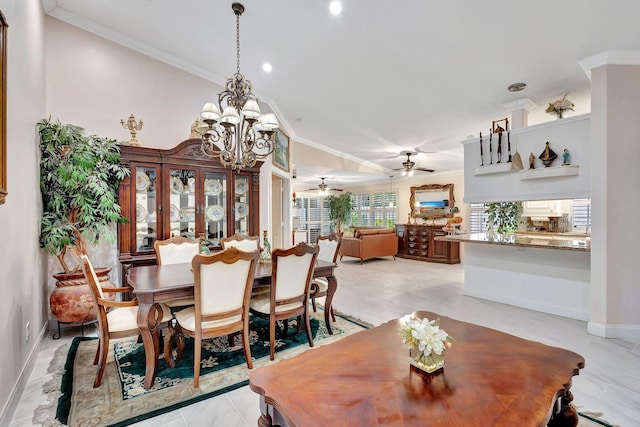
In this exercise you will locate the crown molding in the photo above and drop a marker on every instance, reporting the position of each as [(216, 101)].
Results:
[(611, 57)]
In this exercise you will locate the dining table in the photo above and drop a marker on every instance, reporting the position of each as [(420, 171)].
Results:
[(153, 284)]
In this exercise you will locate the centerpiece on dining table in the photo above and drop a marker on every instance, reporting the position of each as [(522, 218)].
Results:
[(426, 341)]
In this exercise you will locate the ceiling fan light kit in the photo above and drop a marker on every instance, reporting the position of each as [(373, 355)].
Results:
[(409, 167), (323, 189)]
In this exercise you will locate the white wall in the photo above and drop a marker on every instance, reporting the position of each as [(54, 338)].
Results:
[(24, 294)]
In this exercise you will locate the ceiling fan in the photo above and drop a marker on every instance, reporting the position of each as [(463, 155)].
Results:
[(324, 188), (409, 167)]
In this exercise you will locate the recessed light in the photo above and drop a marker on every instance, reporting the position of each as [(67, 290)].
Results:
[(335, 7), (266, 67), (517, 87)]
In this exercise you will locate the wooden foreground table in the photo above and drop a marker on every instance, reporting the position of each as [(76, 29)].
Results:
[(489, 379)]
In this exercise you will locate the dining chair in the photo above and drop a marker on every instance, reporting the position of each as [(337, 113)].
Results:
[(241, 241), (176, 250), (288, 297), (118, 319), (222, 289), (329, 247)]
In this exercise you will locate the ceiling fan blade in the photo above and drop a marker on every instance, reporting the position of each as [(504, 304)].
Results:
[(424, 170)]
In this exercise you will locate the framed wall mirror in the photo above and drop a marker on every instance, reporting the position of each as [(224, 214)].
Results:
[(3, 108), (432, 200)]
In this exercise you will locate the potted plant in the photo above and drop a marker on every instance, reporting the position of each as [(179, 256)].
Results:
[(504, 215), (79, 178), (339, 210)]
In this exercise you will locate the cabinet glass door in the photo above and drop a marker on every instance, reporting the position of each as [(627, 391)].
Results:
[(146, 221), (241, 208), (215, 206), (182, 203)]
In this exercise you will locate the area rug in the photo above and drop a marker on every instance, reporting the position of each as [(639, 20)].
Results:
[(122, 400)]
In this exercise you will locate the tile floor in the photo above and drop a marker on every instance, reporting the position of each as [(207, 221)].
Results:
[(383, 289)]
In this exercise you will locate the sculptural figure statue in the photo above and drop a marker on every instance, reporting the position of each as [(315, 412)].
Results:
[(532, 160), (547, 156), (565, 158)]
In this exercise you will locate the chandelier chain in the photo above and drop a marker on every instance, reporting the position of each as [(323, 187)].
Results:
[(238, 43)]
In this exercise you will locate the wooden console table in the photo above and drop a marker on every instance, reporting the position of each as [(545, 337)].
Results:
[(418, 241), (490, 379)]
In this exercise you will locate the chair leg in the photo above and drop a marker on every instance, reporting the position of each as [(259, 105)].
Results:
[(298, 324), (313, 303), (272, 337), (179, 343), (333, 315), (98, 350), (246, 346), (102, 363), (167, 336), (307, 326), (197, 354)]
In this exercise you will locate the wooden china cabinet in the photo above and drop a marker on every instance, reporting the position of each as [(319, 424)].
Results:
[(181, 191)]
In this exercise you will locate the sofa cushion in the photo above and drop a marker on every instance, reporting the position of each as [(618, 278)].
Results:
[(366, 232), (386, 231)]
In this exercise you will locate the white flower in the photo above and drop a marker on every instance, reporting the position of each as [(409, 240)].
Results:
[(424, 334)]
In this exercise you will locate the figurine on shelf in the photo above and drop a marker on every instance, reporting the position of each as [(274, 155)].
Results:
[(265, 256), (499, 129), (547, 156), (565, 158), (532, 160)]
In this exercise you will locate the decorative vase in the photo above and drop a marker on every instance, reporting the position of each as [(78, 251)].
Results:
[(428, 364), (71, 301)]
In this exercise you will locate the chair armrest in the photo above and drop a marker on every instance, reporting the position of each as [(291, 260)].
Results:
[(111, 289), (109, 303)]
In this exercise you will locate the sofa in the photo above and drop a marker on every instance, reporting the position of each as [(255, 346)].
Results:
[(369, 243)]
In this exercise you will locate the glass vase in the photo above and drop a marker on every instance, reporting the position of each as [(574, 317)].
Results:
[(428, 364)]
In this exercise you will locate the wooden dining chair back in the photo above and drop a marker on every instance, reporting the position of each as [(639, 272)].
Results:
[(176, 250), (222, 289), (329, 247), (117, 319), (291, 273), (242, 242)]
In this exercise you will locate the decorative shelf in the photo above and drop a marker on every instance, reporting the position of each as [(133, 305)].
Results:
[(492, 169), (557, 171)]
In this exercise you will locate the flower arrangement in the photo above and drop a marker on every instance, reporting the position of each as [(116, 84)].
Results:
[(426, 341), (560, 106)]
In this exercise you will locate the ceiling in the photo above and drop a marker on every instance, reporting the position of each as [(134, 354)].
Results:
[(384, 76)]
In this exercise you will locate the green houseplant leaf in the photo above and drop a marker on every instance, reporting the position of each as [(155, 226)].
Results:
[(340, 208), (504, 215), (79, 177)]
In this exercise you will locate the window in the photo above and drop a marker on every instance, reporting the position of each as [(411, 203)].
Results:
[(373, 210), (313, 214), (477, 218), (582, 214)]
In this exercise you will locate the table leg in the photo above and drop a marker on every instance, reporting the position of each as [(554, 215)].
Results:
[(331, 290), (148, 315), (567, 416)]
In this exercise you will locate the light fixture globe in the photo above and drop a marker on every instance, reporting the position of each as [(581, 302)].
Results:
[(240, 135)]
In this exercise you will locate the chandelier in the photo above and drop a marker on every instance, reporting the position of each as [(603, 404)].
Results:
[(241, 135)]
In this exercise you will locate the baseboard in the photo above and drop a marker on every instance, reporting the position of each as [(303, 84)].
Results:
[(625, 332), (530, 305), (23, 379)]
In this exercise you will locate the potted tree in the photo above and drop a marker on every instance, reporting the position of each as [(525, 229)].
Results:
[(79, 178), (504, 215), (339, 210)]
